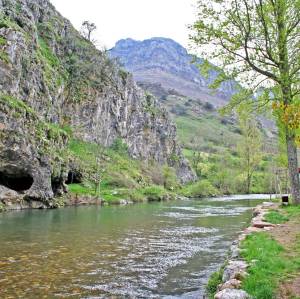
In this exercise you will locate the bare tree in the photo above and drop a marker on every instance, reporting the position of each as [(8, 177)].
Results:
[(87, 29)]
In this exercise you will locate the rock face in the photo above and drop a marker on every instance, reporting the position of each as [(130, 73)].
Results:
[(51, 79), (165, 62)]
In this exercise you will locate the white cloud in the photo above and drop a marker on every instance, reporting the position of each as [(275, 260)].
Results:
[(138, 19)]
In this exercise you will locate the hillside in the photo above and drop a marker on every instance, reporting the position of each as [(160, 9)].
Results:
[(58, 90), (164, 68)]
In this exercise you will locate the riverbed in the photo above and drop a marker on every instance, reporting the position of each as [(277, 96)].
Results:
[(154, 250)]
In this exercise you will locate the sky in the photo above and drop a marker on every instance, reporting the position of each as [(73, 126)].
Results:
[(137, 19)]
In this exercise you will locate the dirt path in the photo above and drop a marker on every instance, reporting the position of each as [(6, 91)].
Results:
[(288, 235)]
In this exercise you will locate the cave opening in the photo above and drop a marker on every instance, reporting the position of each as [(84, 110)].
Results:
[(74, 177), (17, 180)]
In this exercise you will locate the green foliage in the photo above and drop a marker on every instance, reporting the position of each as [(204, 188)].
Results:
[(2, 207), (202, 188), (6, 22), (4, 56), (120, 176), (119, 146), (48, 54), (275, 217), (48, 138), (170, 178), (292, 210), (250, 145), (2, 41), (213, 282), (16, 104), (248, 47), (154, 193), (82, 189)]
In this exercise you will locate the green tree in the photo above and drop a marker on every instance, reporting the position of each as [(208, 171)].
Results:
[(257, 42), (250, 145)]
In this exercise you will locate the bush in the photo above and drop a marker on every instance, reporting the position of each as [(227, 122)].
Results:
[(120, 180), (202, 188), (154, 193), (170, 178)]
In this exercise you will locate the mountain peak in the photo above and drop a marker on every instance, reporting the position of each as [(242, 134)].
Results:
[(163, 61)]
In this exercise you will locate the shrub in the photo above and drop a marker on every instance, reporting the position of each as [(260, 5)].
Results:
[(119, 146), (202, 188), (154, 193), (170, 178)]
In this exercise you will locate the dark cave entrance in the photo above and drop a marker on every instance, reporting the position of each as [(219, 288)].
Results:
[(74, 177), (16, 180)]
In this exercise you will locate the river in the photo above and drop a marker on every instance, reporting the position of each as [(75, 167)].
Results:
[(154, 250)]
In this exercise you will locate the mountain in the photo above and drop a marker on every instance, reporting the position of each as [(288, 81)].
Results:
[(210, 141), (163, 64), (57, 89)]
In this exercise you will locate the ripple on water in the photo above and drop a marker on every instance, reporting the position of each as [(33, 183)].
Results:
[(163, 250)]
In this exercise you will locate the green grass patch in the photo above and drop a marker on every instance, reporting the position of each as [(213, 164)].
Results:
[(2, 41), (267, 265), (275, 217), (292, 210), (120, 176), (48, 54), (213, 282), (6, 22)]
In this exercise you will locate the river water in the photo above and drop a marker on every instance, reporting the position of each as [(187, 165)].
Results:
[(154, 250)]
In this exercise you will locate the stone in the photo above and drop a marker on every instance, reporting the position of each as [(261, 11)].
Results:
[(262, 224), (234, 269), (232, 294), (231, 284), (234, 252), (8, 195)]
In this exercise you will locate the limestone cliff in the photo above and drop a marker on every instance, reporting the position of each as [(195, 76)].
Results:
[(53, 80)]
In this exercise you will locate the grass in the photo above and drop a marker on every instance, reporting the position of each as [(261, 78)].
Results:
[(270, 263), (121, 176), (292, 210), (213, 282), (48, 54), (268, 268), (275, 217)]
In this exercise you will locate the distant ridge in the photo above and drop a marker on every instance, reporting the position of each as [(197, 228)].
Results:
[(165, 63)]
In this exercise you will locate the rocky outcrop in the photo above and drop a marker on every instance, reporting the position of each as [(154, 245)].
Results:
[(53, 80)]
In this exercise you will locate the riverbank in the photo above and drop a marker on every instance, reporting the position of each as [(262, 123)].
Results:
[(154, 193), (77, 197), (265, 261)]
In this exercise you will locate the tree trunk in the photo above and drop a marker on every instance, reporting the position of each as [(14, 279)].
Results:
[(293, 166)]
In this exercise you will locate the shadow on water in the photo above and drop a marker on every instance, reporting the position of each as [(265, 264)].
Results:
[(157, 250)]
